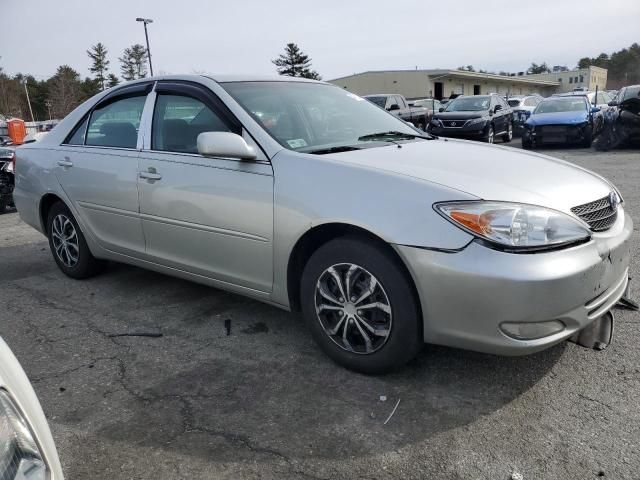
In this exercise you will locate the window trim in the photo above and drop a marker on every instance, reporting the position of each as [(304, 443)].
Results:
[(138, 89)]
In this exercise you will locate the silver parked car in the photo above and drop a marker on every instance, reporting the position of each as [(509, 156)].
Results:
[(308, 197), (27, 451)]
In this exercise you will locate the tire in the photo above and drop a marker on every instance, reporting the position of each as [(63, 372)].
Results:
[(398, 327), (489, 137), (68, 245), (507, 137), (3, 205), (527, 144)]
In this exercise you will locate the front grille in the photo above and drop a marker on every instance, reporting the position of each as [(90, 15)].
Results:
[(453, 123), (600, 214)]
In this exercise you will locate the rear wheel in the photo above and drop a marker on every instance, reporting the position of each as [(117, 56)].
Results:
[(527, 144), (68, 245), (360, 306), (588, 138)]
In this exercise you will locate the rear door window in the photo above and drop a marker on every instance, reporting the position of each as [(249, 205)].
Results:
[(116, 124)]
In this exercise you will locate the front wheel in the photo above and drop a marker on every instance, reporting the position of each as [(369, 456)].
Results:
[(489, 136), (360, 307), (68, 245), (507, 137)]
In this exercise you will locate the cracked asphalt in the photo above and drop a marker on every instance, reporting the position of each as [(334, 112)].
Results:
[(264, 403)]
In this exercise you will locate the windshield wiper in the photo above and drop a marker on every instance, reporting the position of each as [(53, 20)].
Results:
[(395, 135), (338, 149)]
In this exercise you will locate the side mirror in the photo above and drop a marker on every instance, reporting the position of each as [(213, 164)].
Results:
[(394, 107), (595, 109), (224, 144), (441, 109), (613, 104), (497, 108)]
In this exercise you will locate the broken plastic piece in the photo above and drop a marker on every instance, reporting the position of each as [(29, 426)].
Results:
[(597, 335)]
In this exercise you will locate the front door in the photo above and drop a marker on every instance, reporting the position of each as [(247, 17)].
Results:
[(99, 173), (208, 216)]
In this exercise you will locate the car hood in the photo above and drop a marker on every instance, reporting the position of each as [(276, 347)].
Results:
[(557, 118), (487, 172), (460, 115)]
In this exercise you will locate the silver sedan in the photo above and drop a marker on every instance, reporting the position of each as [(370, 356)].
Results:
[(305, 196)]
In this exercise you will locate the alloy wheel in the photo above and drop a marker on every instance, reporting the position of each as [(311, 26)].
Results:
[(65, 240), (510, 132), (353, 308), (490, 135)]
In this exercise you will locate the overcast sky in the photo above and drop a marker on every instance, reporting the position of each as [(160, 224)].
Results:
[(341, 36)]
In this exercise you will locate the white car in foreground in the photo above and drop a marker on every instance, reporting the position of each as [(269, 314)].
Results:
[(27, 451)]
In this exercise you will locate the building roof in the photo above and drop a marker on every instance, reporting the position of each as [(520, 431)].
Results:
[(459, 73)]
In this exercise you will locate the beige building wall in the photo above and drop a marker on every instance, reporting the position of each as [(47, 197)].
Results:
[(421, 84), (588, 78)]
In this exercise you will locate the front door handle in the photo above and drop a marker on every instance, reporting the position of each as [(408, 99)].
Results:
[(150, 175), (65, 163)]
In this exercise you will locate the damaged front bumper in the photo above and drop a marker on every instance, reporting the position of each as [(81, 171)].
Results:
[(469, 296)]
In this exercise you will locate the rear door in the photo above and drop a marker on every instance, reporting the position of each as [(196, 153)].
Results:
[(97, 167), (208, 216)]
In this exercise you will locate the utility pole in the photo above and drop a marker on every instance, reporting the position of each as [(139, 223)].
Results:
[(146, 36), (24, 81)]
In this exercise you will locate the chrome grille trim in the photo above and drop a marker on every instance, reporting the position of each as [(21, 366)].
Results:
[(599, 214)]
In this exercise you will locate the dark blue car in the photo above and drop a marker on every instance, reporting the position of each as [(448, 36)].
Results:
[(560, 121)]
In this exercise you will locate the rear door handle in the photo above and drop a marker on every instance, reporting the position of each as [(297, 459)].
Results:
[(65, 163)]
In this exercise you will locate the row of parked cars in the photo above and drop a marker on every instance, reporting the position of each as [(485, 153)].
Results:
[(573, 118)]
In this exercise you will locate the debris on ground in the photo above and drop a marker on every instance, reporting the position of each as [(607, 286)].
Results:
[(516, 476), (136, 334), (392, 412), (383, 398), (227, 326)]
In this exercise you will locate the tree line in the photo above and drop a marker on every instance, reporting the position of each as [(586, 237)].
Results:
[(58, 95)]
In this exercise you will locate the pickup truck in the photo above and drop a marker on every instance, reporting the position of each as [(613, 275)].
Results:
[(398, 106)]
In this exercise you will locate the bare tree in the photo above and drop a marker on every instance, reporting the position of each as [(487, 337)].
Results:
[(65, 92)]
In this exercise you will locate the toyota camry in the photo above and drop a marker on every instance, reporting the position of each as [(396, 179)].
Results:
[(305, 196)]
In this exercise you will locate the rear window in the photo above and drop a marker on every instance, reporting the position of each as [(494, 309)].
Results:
[(632, 92)]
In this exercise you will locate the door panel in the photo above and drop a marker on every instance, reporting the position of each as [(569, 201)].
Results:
[(213, 217), (102, 184)]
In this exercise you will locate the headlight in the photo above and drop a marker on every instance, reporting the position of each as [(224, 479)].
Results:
[(475, 121), (514, 225), (20, 457)]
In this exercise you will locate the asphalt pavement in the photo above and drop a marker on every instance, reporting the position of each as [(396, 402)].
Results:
[(265, 403)]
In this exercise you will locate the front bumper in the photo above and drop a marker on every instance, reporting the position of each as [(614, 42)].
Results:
[(556, 134), (468, 131), (466, 295)]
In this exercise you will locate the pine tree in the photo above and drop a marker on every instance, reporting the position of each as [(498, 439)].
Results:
[(134, 62), (98, 55), (112, 80), (294, 63)]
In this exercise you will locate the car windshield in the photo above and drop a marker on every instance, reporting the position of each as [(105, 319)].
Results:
[(469, 104), (557, 105), (380, 101), (514, 102), (317, 118)]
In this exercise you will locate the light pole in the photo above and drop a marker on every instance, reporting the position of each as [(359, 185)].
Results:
[(48, 104), (26, 90), (146, 36)]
